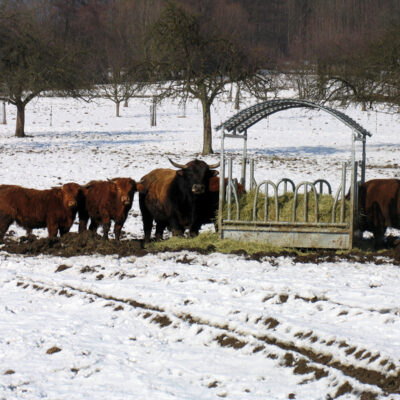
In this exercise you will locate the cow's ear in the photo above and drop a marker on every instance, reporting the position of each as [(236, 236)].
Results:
[(88, 185), (214, 172), (140, 187), (180, 172)]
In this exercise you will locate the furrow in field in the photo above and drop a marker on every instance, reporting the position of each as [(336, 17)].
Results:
[(305, 352)]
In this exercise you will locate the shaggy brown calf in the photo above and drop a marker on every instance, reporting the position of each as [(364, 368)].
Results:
[(54, 209), (106, 201)]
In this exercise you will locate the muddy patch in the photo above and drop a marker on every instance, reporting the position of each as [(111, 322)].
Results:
[(9, 372), (62, 267), (74, 244), (383, 256), (88, 243), (53, 350), (162, 320), (230, 341)]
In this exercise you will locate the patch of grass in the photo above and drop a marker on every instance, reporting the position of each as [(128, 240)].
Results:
[(209, 241)]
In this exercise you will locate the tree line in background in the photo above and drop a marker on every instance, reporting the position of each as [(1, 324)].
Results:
[(336, 50)]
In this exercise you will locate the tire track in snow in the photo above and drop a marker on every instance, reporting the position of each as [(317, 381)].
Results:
[(301, 353), (395, 312)]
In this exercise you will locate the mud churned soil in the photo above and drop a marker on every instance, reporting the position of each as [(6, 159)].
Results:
[(87, 243), (73, 244)]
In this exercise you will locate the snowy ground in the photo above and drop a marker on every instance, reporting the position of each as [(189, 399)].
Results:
[(183, 325)]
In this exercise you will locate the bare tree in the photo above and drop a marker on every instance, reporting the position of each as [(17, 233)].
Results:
[(191, 60), (31, 59), (365, 73), (123, 72), (385, 62)]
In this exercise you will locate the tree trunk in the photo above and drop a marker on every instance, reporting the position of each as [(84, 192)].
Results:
[(117, 103), (207, 134), (4, 113), (237, 98), (126, 102), (230, 93), (20, 128)]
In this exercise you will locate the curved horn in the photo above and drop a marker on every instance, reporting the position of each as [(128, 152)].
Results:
[(182, 166), (214, 165)]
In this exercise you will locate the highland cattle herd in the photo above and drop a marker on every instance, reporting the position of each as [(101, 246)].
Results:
[(178, 199)]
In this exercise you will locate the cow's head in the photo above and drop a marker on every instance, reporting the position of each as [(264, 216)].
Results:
[(71, 194), (196, 174), (126, 188)]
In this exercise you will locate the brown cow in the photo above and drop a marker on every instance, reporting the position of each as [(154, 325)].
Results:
[(31, 208), (379, 205), (209, 206), (172, 198), (106, 201)]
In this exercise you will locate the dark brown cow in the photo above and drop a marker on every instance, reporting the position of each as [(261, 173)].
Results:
[(31, 208), (172, 198), (106, 201), (209, 206), (214, 185), (379, 205)]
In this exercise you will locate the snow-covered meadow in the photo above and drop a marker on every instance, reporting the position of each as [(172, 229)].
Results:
[(184, 325)]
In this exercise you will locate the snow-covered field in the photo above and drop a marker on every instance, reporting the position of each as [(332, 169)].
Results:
[(184, 325)]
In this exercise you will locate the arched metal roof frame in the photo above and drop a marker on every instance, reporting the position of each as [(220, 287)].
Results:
[(248, 117)]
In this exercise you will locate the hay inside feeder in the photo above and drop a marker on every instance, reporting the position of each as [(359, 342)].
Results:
[(285, 208)]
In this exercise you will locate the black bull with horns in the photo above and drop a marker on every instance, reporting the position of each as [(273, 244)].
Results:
[(173, 198)]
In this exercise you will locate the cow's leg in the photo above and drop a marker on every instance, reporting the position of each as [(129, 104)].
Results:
[(106, 227), (63, 230), (5, 222), (160, 226), (379, 227), (83, 220), (193, 233), (147, 226), (379, 236), (177, 231), (93, 225), (176, 228), (147, 218), (52, 229), (117, 229), (194, 229)]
